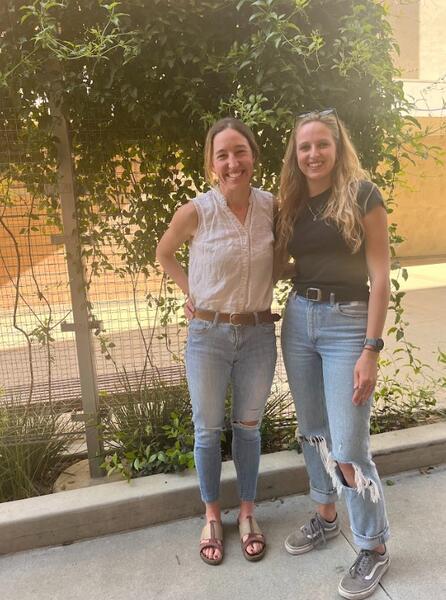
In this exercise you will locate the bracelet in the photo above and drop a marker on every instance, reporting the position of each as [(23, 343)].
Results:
[(370, 349)]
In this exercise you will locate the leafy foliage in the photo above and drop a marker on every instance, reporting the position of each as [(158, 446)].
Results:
[(151, 431), (148, 431), (142, 80)]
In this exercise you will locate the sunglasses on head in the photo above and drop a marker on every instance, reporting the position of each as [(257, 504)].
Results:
[(320, 113)]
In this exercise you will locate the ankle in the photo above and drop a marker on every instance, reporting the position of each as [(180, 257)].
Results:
[(213, 517), (328, 512), (213, 512), (330, 521), (246, 510)]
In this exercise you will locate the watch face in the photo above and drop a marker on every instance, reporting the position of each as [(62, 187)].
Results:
[(379, 344)]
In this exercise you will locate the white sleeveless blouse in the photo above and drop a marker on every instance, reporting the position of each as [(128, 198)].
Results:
[(230, 264)]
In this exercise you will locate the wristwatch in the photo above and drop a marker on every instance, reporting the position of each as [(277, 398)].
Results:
[(374, 344)]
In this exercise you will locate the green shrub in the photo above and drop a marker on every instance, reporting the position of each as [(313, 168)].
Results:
[(150, 431), (33, 445)]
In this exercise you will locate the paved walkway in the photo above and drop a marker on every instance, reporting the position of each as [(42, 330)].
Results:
[(425, 311), (162, 563)]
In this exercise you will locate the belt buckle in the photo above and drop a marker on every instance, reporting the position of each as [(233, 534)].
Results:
[(318, 294), (231, 321)]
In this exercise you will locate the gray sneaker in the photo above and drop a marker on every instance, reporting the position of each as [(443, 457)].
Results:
[(317, 531), (364, 575)]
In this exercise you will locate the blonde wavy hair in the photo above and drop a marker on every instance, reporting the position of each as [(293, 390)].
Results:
[(342, 208)]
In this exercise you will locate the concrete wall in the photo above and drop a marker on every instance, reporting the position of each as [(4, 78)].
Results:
[(404, 17), (419, 28), (421, 207), (432, 39)]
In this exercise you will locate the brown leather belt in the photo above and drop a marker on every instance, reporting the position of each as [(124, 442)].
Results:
[(264, 316)]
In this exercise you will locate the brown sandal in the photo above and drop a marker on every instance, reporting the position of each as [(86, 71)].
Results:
[(212, 537), (250, 527)]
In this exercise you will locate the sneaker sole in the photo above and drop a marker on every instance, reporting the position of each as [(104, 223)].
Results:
[(365, 593), (304, 549)]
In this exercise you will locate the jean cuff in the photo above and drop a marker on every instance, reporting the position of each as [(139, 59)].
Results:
[(209, 499), (370, 543), (323, 497)]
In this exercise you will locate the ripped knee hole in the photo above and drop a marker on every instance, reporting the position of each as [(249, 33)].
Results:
[(334, 470)]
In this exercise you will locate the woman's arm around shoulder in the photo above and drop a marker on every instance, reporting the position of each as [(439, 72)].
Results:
[(283, 267), (181, 229)]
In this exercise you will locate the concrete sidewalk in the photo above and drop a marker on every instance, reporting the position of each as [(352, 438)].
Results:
[(425, 311), (162, 562)]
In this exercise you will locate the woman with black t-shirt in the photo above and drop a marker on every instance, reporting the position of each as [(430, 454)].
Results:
[(333, 223)]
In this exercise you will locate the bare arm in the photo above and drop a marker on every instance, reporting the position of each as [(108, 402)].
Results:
[(181, 229), (378, 265)]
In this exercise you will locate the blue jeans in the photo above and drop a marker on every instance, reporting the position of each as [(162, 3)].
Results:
[(218, 354), (321, 343)]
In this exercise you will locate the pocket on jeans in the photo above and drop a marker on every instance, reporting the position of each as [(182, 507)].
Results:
[(199, 325), (357, 308)]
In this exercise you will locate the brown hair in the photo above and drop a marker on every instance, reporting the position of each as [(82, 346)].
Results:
[(218, 127)]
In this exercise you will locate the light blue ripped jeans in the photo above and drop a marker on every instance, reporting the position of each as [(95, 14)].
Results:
[(217, 354), (321, 343)]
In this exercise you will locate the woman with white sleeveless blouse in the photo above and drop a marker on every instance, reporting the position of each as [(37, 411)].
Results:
[(231, 336)]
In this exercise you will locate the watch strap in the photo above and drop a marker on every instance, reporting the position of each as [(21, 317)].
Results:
[(374, 344)]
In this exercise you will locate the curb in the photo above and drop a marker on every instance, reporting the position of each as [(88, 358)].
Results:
[(65, 517)]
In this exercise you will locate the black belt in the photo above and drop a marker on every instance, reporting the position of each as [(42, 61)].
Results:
[(316, 294)]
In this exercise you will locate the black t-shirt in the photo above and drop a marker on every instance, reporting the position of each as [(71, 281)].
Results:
[(323, 258)]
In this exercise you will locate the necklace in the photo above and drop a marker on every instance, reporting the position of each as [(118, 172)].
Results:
[(317, 214)]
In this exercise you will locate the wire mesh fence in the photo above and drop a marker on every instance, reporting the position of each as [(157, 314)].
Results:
[(35, 356), (135, 313)]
